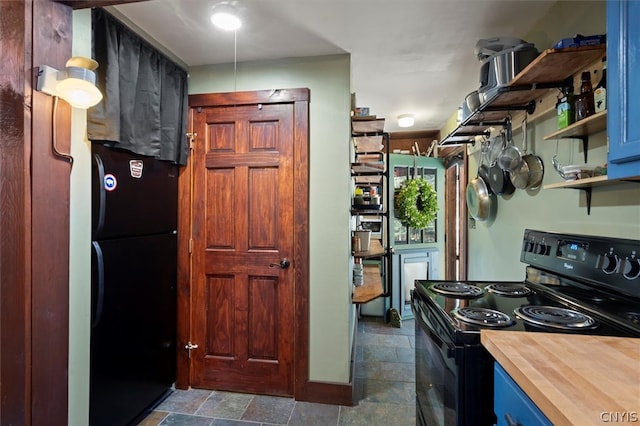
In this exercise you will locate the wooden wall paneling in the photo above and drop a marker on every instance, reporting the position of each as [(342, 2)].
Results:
[(15, 41), (52, 38)]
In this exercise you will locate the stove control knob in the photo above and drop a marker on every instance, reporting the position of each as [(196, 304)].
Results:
[(608, 263), (542, 249), (528, 247), (630, 268)]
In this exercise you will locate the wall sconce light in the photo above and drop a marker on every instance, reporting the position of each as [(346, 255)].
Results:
[(405, 120), (76, 84), (225, 17)]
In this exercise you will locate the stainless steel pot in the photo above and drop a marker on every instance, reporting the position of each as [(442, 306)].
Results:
[(496, 146), (473, 100), (529, 174), (510, 157), (479, 199)]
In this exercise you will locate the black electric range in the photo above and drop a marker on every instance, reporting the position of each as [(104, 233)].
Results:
[(574, 284)]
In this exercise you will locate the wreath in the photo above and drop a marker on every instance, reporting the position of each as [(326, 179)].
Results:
[(416, 203)]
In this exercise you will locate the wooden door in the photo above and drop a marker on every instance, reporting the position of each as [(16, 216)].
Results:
[(456, 223), (243, 248)]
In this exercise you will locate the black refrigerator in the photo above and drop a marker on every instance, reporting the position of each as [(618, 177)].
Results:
[(134, 268)]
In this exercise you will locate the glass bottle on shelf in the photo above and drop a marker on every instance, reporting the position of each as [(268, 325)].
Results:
[(584, 101), (600, 92), (564, 107)]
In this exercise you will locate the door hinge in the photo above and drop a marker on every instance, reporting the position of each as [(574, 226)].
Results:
[(190, 245), (192, 138), (190, 346)]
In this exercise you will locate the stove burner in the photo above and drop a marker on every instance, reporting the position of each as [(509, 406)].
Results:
[(561, 318), (483, 316), (510, 290), (457, 289)]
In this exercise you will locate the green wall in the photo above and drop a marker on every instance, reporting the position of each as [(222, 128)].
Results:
[(328, 78), (80, 243), (615, 210)]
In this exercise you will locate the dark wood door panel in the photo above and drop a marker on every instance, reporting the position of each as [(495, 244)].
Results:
[(244, 306)]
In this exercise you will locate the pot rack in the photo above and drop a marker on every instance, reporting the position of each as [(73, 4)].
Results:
[(552, 69)]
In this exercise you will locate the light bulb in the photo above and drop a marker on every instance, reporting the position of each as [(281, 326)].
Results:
[(405, 120), (78, 87), (225, 16)]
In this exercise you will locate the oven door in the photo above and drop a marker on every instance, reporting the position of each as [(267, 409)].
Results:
[(454, 383)]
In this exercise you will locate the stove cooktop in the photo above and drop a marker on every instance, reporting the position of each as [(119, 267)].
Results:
[(573, 284), (526, 306)]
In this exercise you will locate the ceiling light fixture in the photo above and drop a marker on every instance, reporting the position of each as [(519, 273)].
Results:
[(225, 16), (405, 120), (76, 84)]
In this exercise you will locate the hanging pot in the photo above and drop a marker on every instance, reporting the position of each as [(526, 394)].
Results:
[(483, 172), (521, 174), (496, 146), (530, 173), (500, 181), (511, 157), (479, 199), (536, 170), (483, 169)]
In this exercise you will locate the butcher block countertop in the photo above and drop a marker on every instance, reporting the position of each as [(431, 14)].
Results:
[(573, 379)]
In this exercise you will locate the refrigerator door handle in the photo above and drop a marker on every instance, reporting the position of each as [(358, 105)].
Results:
[(102, 193), (99, 302)]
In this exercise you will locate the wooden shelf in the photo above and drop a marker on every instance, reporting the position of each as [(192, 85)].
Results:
[(590, 125), (372, 287), (549, 70), (587, 184), (554, 65), (375, 250), (590, 182), (369, 125), (367, 168)]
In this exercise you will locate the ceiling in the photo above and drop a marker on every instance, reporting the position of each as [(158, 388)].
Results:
[(407, 56)]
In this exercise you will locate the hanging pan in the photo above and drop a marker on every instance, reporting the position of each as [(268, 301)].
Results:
[(520, 174), (483, 169), (535, 168), (479, 199), (510, 157), (500, 181), (479, 196), (529, 174), (496, 146)]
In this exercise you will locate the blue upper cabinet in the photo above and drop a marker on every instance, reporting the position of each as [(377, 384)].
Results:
[(623, 88)]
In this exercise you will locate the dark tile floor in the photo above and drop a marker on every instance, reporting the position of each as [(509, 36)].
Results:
[(384, 392)]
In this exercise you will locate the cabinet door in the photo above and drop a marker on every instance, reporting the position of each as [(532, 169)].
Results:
[(623, 61), (512, 406)]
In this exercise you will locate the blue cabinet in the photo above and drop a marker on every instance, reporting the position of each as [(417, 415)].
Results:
[(511, 405), (623, 88)]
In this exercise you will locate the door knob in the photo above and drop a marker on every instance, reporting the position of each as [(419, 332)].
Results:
[(283, 264)]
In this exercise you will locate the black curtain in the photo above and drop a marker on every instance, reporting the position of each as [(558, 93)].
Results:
[(144, 109)]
